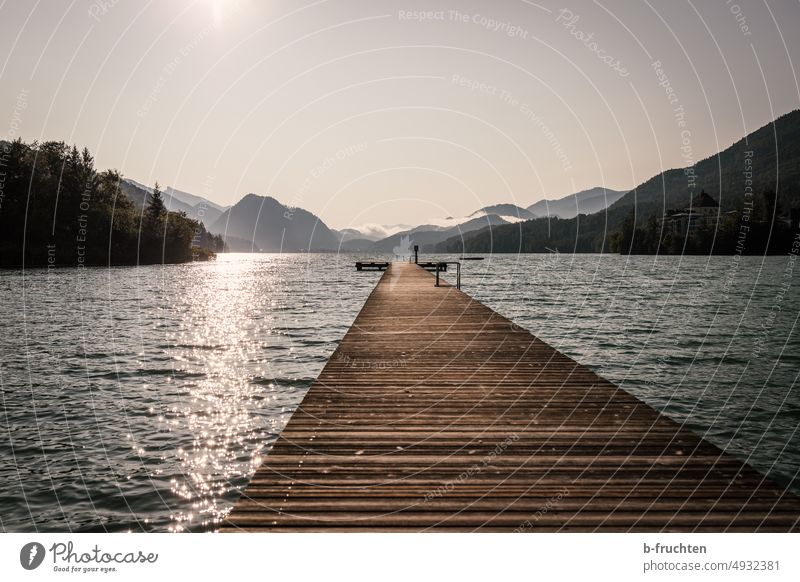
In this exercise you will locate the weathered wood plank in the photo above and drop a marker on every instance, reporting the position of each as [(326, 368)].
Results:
[(436, 413)]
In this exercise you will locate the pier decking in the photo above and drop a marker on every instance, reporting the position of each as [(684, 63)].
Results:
[(436, 413)]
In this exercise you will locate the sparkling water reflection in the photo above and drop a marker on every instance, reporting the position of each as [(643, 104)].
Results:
[(144, 398)]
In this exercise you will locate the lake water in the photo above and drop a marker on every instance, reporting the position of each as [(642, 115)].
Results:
[(144, 398)]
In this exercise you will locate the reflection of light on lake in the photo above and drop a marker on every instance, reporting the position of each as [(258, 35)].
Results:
[(156, 411), (220, 409)]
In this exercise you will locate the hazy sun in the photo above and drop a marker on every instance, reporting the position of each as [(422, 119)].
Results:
[(218, 8)]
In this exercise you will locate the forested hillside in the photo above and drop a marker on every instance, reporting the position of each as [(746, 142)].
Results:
[(57, 209), (724, 176)]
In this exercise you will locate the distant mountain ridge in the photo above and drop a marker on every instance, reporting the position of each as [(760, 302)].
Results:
[(584, 202), (373, 231), (195, 207), (507, 210), (427, 236), (262, 223), (721, 175), (274, 227), (430, 236), (192, 199), (581, 222)]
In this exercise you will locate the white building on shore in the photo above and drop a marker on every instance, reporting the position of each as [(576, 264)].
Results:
[(702, 212)]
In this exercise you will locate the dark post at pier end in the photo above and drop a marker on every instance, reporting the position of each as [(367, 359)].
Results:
[(416, 254)]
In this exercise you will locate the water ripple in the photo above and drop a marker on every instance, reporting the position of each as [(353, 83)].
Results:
[(695, 337), (143, 399)]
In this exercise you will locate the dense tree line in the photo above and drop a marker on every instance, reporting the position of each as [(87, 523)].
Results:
[(752, 162), (57, 209), (584, 234), (764, 229)]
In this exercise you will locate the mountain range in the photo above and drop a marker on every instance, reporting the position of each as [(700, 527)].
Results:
[(274, 227), (751, 164), (262, 223), (195, 207), (584, 202), (580, 222)]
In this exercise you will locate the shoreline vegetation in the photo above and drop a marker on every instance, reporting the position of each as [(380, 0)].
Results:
[(756, 192), (57, 210), (757, 230), (746, 233)]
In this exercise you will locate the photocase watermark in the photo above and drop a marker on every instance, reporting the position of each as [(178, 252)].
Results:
[(744, 226), (67, 559), (741, 19), (504, 27), (51, 258), (760, 340), (5, 151), (197, 237), (360, 364), (663, 362), (176, 61), (31, 555), (526, 110), (473, 470), (491, 24), (100, 8), (20, 105), (569, 21), (83, 223), (546, 508), (679, 114)]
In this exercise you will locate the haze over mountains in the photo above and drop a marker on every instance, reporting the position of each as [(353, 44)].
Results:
[(584, 202), (585, 221), (195, 207), (751, 165), (262, 223), (372, 231), (274, 227), (576, 222)]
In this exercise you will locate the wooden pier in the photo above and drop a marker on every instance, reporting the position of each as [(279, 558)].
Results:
[(437, 414)]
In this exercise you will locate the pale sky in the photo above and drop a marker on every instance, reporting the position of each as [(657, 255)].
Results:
[(366, 112)]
